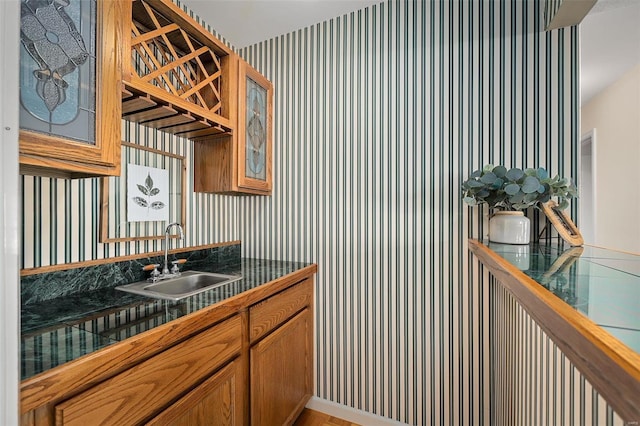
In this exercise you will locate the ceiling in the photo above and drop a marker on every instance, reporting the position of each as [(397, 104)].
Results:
[(609, 44), (246, 22), (610, 33)]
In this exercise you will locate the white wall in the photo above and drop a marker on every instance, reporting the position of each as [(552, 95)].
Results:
[(9, 210), (615, 114)]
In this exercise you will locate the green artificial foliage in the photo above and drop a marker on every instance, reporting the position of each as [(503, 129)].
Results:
[(515, 189)]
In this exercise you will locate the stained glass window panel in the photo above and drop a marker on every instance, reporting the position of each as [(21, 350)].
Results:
[(256, 131), (58, 68)]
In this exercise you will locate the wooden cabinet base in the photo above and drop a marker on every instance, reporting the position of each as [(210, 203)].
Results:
[(281, 355)]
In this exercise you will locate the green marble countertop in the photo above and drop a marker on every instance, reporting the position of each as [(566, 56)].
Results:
[(65, 328), (602, 284)]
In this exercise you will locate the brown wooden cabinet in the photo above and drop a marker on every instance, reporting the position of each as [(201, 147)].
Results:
[(281, 360), (139, 392), (281, 372), (245, 360), (175, 72), (220, 397), (70, 121), (241, 162), (182, 80)]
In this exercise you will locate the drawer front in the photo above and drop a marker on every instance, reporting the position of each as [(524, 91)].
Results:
[(218, 401), (141, 391), (270, 313)]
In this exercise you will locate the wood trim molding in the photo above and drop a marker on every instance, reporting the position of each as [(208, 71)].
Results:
[(612, 368), (95, 262)]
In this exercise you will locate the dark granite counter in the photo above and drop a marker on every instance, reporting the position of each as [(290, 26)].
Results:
[(586, 300), (60, 329), (601, 284)]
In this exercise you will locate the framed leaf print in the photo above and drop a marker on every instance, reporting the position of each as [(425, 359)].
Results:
[(255, 104), (149, 194)]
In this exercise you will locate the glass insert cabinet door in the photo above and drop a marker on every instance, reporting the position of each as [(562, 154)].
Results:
[(254, 129), (70, 79)]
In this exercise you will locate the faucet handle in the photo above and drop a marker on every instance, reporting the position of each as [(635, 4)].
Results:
[(174, 268), (154, 270)]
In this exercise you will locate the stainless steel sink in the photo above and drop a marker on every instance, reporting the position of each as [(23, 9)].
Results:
[(187, 284)]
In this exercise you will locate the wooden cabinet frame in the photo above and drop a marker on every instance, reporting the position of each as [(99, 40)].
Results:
[(60, 157), (220, 161), (246, 72)]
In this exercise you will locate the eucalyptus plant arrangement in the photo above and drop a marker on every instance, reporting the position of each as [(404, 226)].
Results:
[(516, 189)]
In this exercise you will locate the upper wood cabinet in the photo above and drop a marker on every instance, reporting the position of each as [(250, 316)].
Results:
[(241, 162), (174, 72), (70, 80)]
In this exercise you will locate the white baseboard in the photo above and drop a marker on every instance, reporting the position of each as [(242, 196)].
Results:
[(348, 413)]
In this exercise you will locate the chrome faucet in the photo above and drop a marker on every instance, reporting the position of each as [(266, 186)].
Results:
[(166, 273)]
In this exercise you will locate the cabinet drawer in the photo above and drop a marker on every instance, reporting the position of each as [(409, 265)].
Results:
[(270, 313), (143, 390), (219, 401)]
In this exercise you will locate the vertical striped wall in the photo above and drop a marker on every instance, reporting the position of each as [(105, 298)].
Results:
[(379, 115), (533, 382), (61, 217)]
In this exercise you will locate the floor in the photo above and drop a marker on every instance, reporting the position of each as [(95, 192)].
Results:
[(315, 418)]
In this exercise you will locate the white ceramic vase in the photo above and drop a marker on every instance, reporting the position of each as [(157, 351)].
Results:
[(509, 227)]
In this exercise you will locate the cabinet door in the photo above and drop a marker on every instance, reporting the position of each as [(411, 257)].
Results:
[(70, 84), (216, 401), (145, 389), (255, 105), (281, 372), (239, 163)]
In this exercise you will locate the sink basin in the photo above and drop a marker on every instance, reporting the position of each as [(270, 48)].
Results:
[(187, 284)]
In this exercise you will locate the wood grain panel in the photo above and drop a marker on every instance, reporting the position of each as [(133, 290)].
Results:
[(220, 397), (214, 164), (612, 368), (316, 418), (281, 378), (133, 395), (137, 103), (270, 313)]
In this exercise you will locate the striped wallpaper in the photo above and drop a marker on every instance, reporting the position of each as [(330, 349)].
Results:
[(379, 115), (533, 382), (61, 217)]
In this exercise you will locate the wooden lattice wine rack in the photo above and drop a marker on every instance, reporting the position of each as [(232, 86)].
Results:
[(174, 78)]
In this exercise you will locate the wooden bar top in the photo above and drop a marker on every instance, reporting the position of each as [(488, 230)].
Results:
[(612, 367)]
